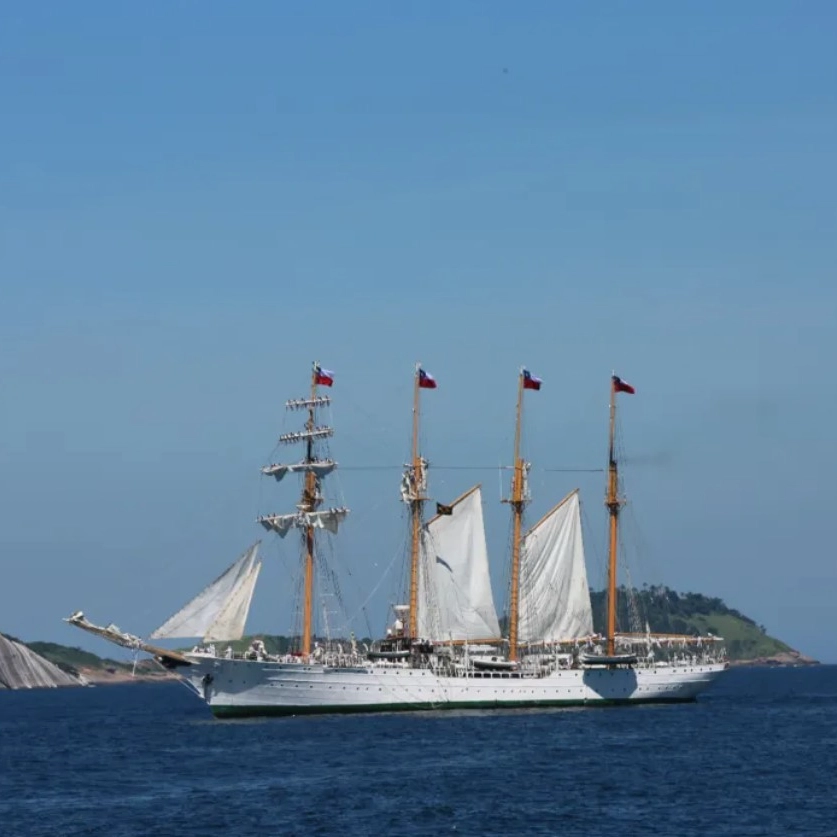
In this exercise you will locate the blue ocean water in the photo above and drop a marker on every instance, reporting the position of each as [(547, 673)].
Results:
[(757, 755)]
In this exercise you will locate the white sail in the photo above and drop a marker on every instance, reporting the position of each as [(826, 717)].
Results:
[(319, 468), (197, 617), (229, 624), (455, 598), (328, 519), (554, 596)]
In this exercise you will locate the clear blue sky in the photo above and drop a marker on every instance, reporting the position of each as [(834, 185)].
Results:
[(197, 199)]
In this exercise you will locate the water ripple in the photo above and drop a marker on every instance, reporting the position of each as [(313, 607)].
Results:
[(756, 756)]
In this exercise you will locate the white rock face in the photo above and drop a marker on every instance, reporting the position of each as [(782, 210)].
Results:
[(21, 668)]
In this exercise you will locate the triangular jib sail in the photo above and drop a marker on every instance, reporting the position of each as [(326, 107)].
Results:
[(455, 598), (554, 596), (229, 624), (220, 611)]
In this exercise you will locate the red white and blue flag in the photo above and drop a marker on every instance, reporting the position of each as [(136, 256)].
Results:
[(530, 381), (426, 380), (323, 377), (622, 386)]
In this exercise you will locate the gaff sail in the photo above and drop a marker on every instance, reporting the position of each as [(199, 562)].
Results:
[(455, 597), (554, 596)]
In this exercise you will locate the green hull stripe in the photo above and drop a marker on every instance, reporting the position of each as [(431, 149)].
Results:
[(263, 711)]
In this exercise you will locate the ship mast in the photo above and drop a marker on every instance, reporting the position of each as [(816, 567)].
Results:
[(518, 503), (309, 514), (517, 522), (416, 505), (308, 503), (614, 504)]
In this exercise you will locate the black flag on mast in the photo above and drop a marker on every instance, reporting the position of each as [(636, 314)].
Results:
[(442, 509)]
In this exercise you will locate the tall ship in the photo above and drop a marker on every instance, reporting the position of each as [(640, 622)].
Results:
[(444, 647)]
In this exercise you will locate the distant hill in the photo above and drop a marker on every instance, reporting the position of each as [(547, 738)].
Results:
[(95, 669), (669, 612), (73, 660)]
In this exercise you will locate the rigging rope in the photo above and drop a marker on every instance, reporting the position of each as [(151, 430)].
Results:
[(362, 608), (472, 468)]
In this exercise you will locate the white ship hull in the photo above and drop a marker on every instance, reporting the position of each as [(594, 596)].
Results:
[(239, 688)]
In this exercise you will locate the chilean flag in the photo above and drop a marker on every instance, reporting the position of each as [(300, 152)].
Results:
[(323, 377), (530, 381), (426, 380), (622, 386)]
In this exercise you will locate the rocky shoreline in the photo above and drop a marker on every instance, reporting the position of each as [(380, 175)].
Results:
[(784, 658), (22, 668), (146, 673)]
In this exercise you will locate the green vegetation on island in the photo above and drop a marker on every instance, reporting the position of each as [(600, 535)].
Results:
[(78, 662), (72, 660), (665, 611)]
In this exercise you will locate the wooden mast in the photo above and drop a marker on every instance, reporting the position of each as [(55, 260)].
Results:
[(517, 502), (309, 503), (614, 504), (416, 507), (307, 516)]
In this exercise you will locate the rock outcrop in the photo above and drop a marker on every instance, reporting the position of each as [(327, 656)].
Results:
[(783, 658), (22, 668)]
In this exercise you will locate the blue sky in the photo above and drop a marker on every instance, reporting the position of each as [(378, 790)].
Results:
[(196, 200)]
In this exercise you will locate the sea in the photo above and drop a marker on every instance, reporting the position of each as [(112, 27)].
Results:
[(755, 755)]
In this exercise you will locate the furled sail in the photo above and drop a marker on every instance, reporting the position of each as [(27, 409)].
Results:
[(328, 519), (308, 403), (554, 596), (219, 611), (305, 435), (412, 488), (319, 468), (455, 598)]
